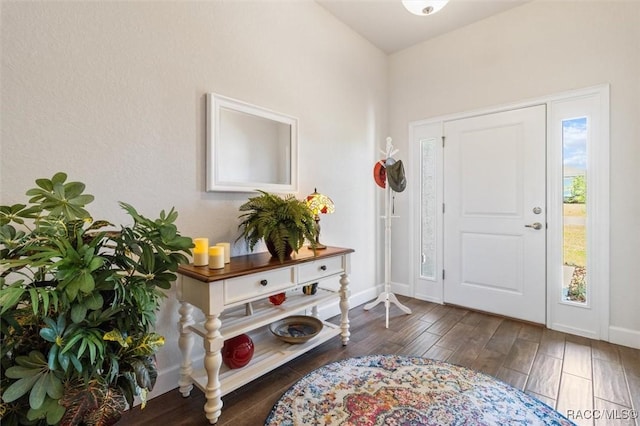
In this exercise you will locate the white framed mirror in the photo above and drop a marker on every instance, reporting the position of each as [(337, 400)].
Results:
[(250, 148)]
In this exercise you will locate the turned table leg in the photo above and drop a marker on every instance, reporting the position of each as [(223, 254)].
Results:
[(344, 308), (185, 343), (212, 361)]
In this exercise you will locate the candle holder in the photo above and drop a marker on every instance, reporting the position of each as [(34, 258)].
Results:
[(216, 257), (200, 253), (227, 251)]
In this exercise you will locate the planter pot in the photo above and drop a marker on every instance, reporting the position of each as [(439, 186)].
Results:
[(272, 249)]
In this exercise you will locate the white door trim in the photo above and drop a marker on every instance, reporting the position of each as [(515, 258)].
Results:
[(417, 131), (427, 287), (592, 318)]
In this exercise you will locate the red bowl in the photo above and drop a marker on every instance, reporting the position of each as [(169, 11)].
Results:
[(237, 351)]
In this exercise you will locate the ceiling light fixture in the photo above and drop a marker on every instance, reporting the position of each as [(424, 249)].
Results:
[(424, 7)]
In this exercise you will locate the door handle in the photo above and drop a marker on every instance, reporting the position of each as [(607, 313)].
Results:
[(535, 225)]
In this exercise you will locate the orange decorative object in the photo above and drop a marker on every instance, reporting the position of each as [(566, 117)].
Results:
[(278, 299)]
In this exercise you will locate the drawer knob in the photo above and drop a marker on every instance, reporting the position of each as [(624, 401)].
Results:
[(263, 282), (323, 268)]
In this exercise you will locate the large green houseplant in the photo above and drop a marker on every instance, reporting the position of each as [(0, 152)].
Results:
[(78, 304), (284, 223)]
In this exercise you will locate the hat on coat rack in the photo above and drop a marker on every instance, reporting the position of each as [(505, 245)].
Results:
[(380, 173), (395, 176)]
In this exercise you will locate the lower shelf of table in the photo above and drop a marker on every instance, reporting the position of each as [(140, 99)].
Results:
[(270, 353), (235, 321)]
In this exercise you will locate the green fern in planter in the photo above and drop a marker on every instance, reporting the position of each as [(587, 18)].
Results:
[(78, 304), (281, 222)]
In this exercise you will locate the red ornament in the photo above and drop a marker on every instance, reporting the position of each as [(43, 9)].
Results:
[(278, 299), (237, 351)]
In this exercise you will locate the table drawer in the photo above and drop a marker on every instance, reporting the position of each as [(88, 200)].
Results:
[(241, 288), (318, 269)]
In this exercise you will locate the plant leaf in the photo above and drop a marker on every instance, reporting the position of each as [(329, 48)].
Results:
[(45, 301), (48, 334), (63, 359), (115, 336), (45, 184), (59, 178), (92, 350), (76, 363), (10, 297), (78, 313), (19, 372), (19, 388), (35, 300), (38, 392), (53, 357), (73, 189), (142, 374), (50, 410), (54, 386), (72, 341), (87, 283), (93, 301), (78, 401), (55, 413), (149, 344), (95, 404)]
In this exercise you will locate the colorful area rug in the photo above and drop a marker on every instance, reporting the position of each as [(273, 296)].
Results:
[(406, 391)]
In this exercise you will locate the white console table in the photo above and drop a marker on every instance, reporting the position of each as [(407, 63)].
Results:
[(234, 300)]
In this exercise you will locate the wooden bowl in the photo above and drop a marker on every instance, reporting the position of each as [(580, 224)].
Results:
[(296, 328)]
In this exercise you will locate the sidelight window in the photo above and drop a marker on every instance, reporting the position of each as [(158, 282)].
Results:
[(574, 176), (428, 213)]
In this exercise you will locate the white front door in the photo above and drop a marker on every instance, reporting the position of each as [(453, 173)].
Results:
[(495, 213)]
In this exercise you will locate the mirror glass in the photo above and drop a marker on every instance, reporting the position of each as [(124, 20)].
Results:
[(249, 147)]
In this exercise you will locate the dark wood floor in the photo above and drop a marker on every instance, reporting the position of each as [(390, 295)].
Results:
[(566, 372)]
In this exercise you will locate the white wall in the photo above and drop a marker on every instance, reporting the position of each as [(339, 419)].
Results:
[(113, 94), (538, 49)]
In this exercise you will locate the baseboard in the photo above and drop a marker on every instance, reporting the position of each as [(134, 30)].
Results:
[(329, 310), (168, 378), (428, 298), (401, 289), (624, 336), (573, 330)]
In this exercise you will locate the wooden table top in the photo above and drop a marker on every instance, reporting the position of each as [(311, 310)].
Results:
[(257, 262)]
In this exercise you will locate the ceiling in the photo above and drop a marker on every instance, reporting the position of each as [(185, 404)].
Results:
[(389, 26)]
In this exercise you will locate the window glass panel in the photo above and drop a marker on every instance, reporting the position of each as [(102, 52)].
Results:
[(574, 156), (428, 207)]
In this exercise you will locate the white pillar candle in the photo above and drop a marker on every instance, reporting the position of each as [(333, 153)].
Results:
[(227, 251), (216, 257), (200, 253)]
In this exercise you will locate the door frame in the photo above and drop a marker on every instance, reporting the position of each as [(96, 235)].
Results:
[(432, 289)]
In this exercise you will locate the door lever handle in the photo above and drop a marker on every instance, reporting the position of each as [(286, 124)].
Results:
[(535, 225)]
